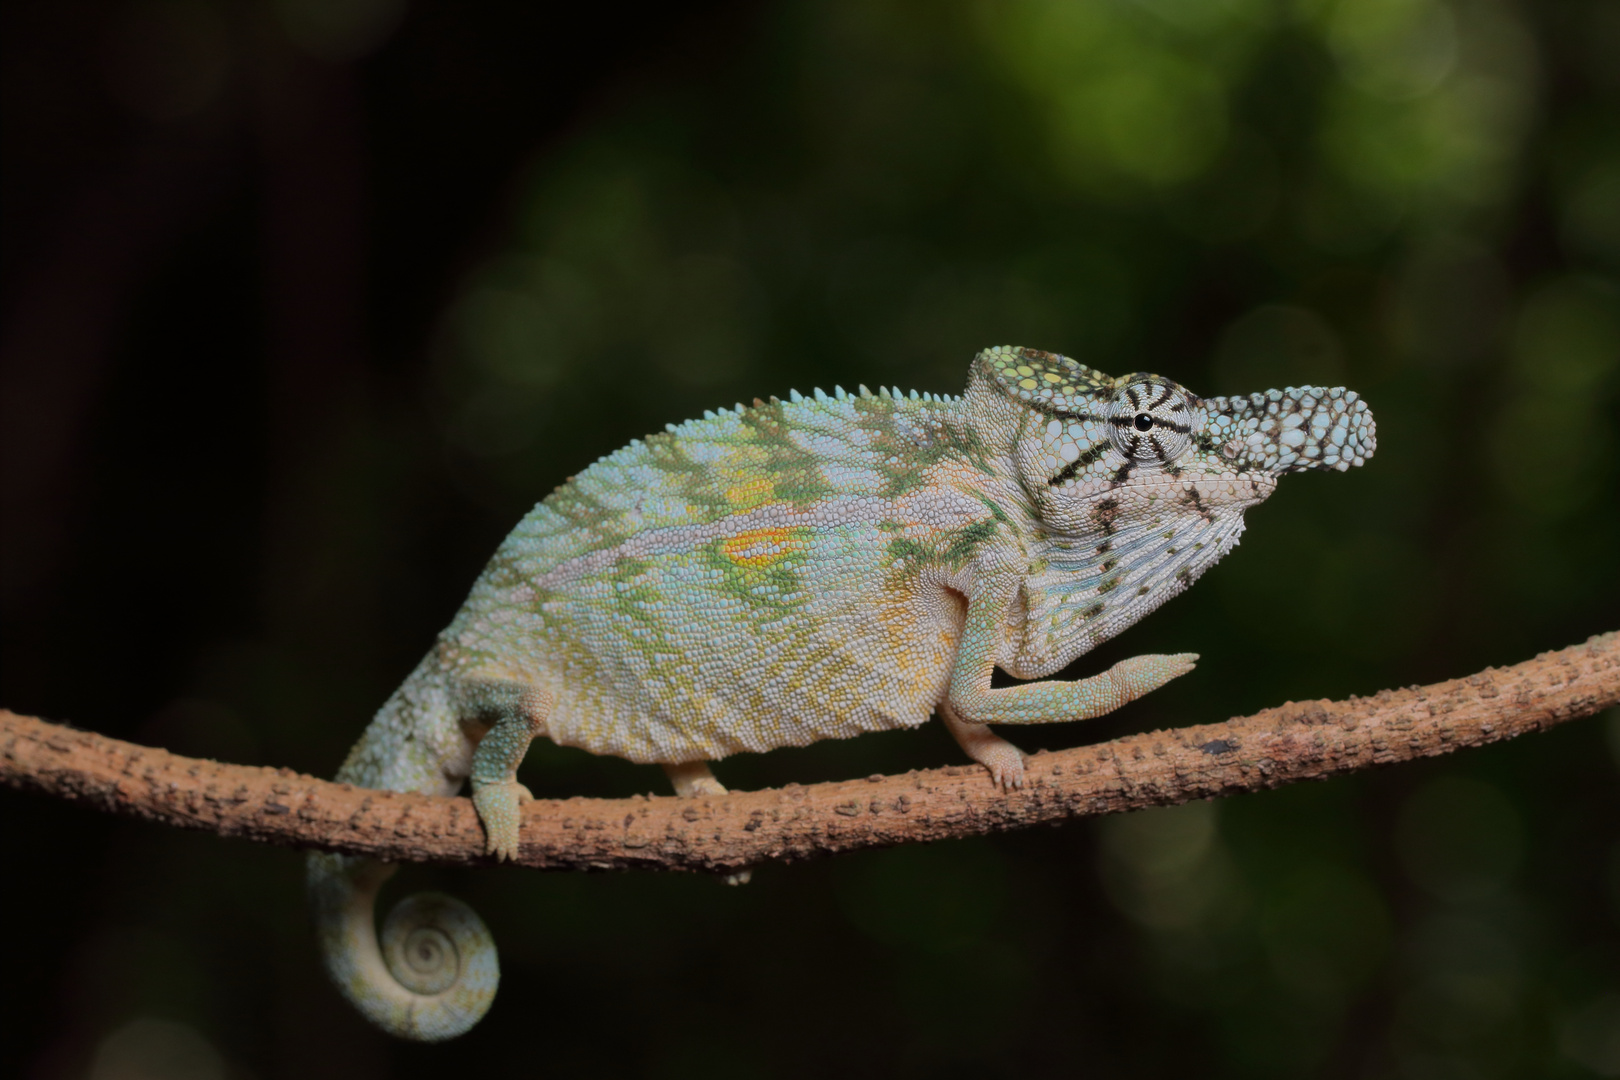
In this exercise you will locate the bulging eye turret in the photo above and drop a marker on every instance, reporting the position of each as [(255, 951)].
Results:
[(1150, 420)]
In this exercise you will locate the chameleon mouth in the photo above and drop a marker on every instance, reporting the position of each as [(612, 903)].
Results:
[(1222, 491)]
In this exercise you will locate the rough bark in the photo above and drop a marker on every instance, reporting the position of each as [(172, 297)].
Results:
[(1310, 740)]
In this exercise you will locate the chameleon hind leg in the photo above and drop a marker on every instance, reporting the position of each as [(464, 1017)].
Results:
[(1049, 701), (1004, 760), (516, 713), (692, 780)]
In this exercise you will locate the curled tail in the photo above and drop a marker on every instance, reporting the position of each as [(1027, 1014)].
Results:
[(433, 974)]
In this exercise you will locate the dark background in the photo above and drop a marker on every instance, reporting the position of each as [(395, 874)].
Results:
[(305, 303)]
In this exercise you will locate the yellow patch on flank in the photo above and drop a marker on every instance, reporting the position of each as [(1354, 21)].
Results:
[(760, 548), (756, 491)]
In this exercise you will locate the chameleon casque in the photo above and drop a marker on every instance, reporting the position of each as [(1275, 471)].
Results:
[(810, 569)]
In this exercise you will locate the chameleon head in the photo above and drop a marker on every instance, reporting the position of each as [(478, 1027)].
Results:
[(1093, 448)]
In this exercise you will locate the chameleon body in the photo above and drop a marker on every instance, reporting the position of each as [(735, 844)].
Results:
[(807, 569)]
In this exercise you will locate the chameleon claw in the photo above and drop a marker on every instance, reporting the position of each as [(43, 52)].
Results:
[(1005, 764), (497, 805), (1001, 759), (693, 779)]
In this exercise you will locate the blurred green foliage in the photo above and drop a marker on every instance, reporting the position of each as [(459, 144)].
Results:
[(1415, 198)]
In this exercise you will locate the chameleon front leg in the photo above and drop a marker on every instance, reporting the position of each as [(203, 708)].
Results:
[(694, 779), (1044, 702), (1004, 760), (519, 712)]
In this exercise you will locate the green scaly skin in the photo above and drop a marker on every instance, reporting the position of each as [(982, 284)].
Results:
[(809, 569)]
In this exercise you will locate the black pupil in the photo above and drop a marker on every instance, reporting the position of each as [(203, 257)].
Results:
[(1144, 422)]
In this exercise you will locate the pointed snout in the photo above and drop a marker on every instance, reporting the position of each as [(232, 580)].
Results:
[(1284, 431)]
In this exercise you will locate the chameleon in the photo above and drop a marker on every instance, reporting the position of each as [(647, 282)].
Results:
[(813, 568)]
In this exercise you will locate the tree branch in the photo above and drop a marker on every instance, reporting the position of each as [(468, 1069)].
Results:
[(1297, 741)]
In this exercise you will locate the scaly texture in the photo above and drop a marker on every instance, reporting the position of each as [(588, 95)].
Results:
[(824, 566)]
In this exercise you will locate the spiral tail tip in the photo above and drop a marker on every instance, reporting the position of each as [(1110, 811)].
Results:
[(433, 972), (438, 949)]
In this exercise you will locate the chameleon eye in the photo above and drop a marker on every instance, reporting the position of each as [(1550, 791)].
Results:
[(1150, 421)]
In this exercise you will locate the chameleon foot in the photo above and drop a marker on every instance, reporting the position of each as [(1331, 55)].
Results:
[(693, 779), (1004, 760), (497, 805)]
